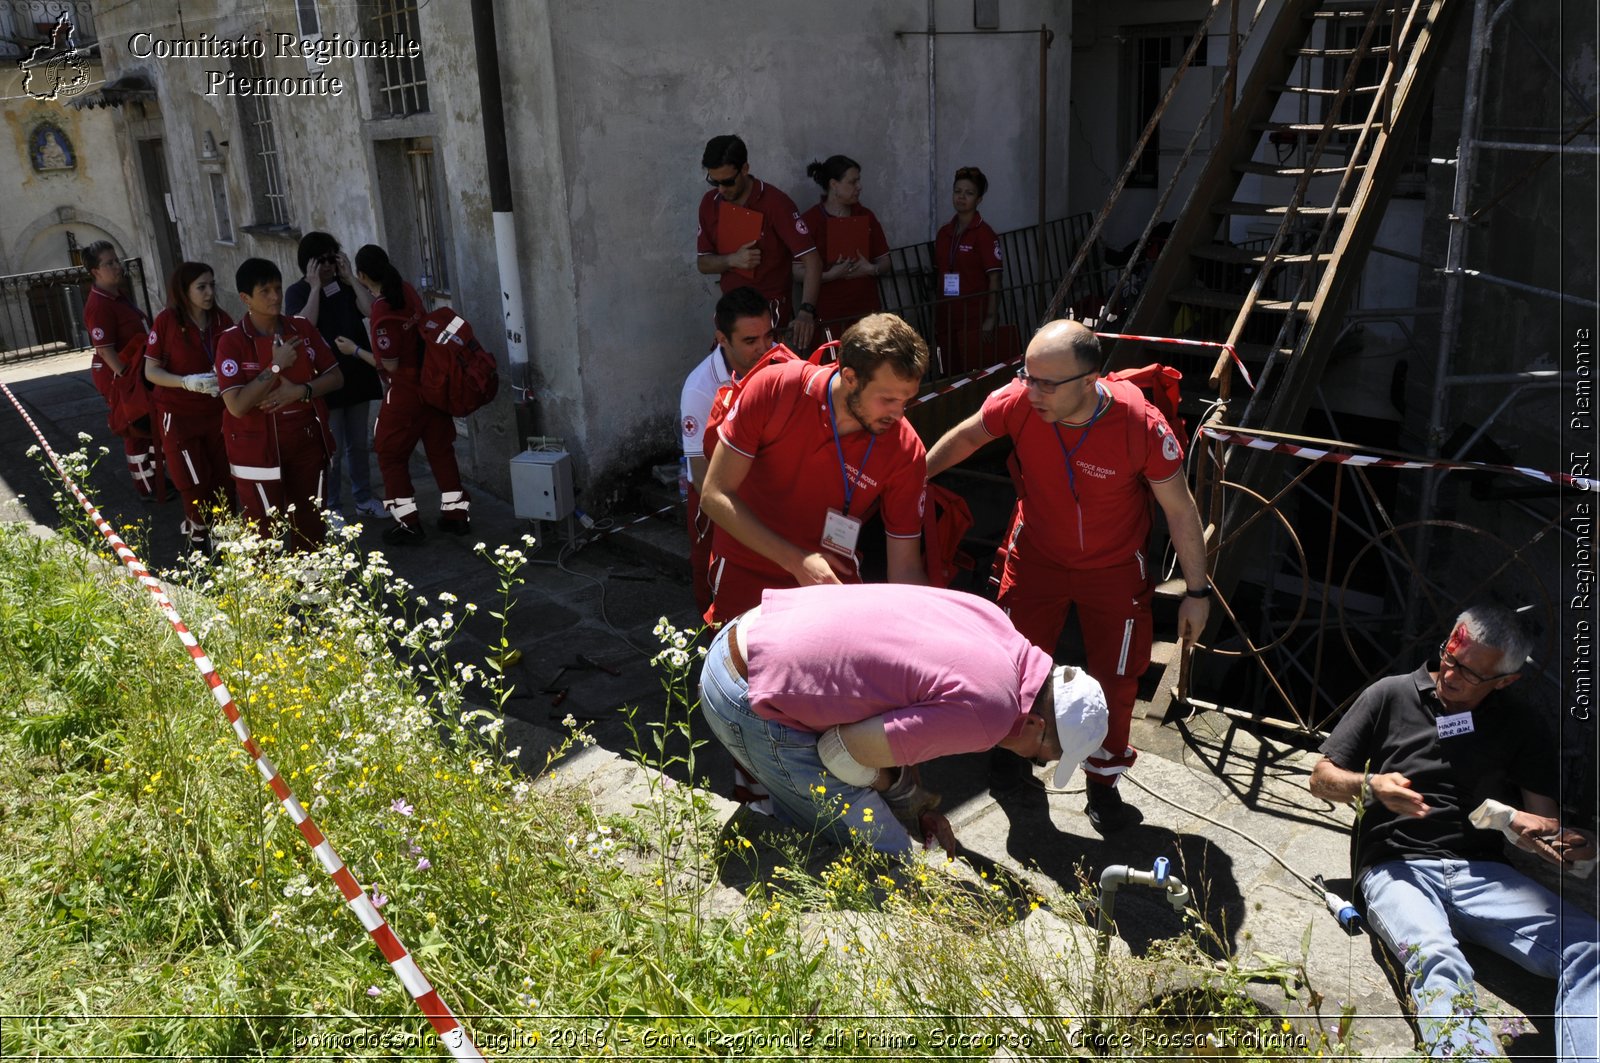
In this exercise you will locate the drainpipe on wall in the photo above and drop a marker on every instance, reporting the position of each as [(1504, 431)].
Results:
[(933, 128), (485, 47)]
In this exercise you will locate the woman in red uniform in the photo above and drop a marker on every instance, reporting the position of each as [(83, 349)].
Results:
[(180, 364), (117, 330), (967, 256), (404, 419), (854, 251)]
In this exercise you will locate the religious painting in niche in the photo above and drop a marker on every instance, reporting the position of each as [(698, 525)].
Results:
[(51, 150)]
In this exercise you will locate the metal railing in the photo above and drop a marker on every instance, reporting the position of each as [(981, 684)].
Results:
[(1035, 260), (41, 314)]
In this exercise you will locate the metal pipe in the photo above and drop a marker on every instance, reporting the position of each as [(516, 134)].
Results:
[(1531, 289), (491, 96), (1045, 37), (933, 127), (1455, 257), (1111, 879), (1552, 375), (1564, 149)]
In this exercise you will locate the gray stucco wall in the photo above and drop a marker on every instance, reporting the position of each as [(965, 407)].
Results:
[(607, 108)]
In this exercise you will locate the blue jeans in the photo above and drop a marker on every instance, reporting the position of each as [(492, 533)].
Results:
[(350, 426), (1420, 908), (785, 761)]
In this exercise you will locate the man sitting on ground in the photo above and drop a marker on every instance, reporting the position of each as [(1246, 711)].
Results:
[(1428, 757), (831, 694)]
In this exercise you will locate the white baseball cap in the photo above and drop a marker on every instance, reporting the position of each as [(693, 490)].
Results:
[(1081, 718)]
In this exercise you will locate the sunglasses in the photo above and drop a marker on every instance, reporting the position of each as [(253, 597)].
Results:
[(1048, 387), (727, 182)]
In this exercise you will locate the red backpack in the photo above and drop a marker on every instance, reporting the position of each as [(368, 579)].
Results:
[(458, 375), (729, 393), (1160, 386), (946, 519), (129, 400)]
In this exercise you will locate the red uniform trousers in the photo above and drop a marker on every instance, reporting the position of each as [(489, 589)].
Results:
[(699, 551), (404, 420), (197, 461), (736, 589), (296, 480), (1114, 613), (140, 450)]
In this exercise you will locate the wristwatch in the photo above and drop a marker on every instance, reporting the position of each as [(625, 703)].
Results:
[(275, 368), (808, 308), (1203, 592)]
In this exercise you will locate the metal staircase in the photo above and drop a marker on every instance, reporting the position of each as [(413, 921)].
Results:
[(1355, 78)]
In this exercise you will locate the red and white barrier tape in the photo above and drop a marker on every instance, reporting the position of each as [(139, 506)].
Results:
[(1354, 457), (973, 377), (437, 1012), (1209, 344)]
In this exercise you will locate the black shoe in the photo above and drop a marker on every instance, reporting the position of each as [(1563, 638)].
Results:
[(1107, 811), (404, 535), (461, 526)]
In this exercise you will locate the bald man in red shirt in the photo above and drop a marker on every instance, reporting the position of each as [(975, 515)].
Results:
[(1092, 454)]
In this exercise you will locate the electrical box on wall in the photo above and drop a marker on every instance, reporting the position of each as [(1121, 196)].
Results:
[(541, 485)]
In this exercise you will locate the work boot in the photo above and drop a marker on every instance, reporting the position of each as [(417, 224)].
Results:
[(455, 525), (1107, 811), (404, 535)]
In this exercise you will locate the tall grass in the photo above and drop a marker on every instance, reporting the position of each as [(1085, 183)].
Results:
[(158, 901)]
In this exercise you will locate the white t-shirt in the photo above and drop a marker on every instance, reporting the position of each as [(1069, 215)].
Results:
[(699, 392)]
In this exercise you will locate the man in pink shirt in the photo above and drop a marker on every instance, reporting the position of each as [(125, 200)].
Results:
[(830, 693)]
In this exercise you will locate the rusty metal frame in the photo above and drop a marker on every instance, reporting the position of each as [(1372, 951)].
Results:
[(1384, 535)]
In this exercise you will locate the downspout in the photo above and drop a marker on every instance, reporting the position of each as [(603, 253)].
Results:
[(933, 129), (486, 48)]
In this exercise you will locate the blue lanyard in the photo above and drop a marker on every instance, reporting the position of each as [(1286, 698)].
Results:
[(838, 448), (1101, 407)]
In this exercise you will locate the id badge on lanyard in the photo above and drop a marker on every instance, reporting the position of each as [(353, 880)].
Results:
[(840, 532), (839, 529), (952, 284)]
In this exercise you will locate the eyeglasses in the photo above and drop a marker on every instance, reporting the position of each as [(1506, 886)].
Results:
[(1048, 387), (726, 182), (1448, 660)]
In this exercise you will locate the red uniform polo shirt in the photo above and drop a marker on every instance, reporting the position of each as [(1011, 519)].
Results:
[(973, 257), (112, 320), (1114, 460), (181, 348), (781, 421), (242, 353), (394, 335), (784, 238), (847, 297)]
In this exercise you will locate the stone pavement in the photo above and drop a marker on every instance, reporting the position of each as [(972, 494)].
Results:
[(1221, 802)]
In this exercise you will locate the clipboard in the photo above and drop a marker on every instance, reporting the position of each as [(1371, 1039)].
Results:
[(848, 238), (737, 226)]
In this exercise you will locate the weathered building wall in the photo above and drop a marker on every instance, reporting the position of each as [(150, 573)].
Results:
[(608, 107)]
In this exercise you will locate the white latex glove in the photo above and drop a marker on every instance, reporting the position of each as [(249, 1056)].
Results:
[(203, 383)]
